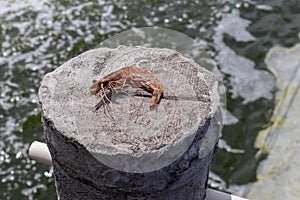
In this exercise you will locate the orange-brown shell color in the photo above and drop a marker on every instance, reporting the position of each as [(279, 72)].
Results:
[(135, 77)]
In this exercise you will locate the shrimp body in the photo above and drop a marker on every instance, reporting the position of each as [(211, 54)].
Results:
[(134, 76)]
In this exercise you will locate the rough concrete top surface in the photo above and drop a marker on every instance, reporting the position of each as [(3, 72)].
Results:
[(127, 126)]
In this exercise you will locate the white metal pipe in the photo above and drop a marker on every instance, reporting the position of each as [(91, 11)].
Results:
[(39, 152), (217, 195)]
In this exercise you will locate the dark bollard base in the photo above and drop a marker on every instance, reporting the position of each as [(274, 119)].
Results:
[(141, 153)]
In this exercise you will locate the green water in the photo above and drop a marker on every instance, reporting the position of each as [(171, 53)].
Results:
[(38, 36)]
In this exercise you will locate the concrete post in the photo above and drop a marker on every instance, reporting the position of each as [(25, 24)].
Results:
[(124, 150)]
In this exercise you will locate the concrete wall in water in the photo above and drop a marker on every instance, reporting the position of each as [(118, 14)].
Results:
[(278, 175)]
